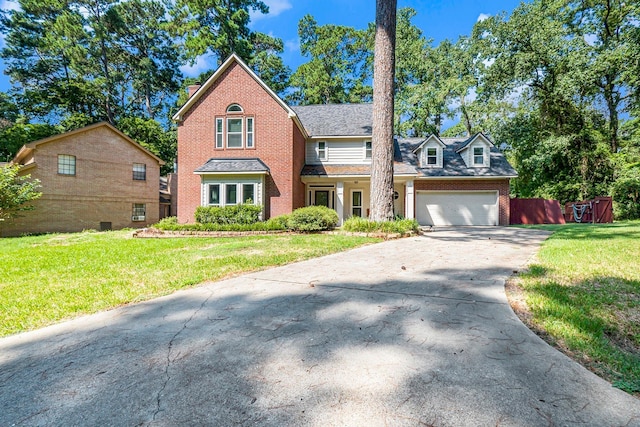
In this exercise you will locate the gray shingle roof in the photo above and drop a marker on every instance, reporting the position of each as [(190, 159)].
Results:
[(233, 165), (453, 165), (336, 119)]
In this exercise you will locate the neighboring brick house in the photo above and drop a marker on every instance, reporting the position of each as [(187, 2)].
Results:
[(237, 140), (95, 177)]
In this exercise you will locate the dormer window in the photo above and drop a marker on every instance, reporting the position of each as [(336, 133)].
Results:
[(432, 156), (478, 156), (367, 150), (234, 108)]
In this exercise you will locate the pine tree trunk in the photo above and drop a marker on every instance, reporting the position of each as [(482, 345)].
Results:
[(383, 91)]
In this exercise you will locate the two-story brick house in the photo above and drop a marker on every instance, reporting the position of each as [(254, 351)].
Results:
[(238, 141), (95, 178)]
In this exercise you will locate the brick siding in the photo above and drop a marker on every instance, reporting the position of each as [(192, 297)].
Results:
[(103, 189), (502, 185), (277, 143)]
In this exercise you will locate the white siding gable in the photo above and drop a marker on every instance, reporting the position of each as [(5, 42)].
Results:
[(342, 152), (424, 151), (468, 155)]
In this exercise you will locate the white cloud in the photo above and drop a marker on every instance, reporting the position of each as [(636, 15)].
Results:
[(9, 5), (276, 7), (203, 63), (482, 17), (292, 45)]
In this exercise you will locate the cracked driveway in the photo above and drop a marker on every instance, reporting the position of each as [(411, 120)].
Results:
[(408, 332)]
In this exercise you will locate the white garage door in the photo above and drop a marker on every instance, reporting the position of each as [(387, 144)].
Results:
[(457, 208)]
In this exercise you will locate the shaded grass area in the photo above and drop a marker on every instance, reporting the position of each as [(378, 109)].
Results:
[(44, 279), (583, 295)]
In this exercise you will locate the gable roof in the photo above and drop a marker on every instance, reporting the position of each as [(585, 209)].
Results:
[(28, 148), (431, 137), (466, 144), (233, 59), (336, 119), (453, 166)]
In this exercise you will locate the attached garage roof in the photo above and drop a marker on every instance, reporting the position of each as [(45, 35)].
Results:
[(240, 166), (453, 164)]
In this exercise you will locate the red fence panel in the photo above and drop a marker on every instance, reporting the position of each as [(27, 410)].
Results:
[(596, 211), (535, 211)]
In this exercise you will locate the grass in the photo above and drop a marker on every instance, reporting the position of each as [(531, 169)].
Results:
[(45, 279), (583, 295)]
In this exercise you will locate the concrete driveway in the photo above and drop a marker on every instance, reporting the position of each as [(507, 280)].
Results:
[(412, 332)]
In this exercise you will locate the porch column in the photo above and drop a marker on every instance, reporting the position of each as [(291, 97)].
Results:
[(340, 201), (408, 202)]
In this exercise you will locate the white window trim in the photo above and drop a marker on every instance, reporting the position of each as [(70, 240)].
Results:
[(427, 155), (252, 132), (324, 150), (219, 133), (240, 111), (222, 195), (368, 151), (474, 155), (241, 133)]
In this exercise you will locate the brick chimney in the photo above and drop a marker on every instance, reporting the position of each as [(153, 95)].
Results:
[(193, 88)]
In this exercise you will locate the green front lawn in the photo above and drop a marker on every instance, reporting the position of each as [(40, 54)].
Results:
[(583, 295), (44, 279)]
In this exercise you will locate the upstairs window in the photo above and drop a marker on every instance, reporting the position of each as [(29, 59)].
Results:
[(322, 150), (139, 172), (235, 129), (66, 164), (234, 133), (478, 156), (432, 156), (219, 132), (367, 150), (249, 132)]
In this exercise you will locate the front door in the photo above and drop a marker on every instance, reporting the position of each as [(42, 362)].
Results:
[(322, 198)]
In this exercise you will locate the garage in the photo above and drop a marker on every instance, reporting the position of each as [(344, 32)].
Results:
[(457, 208)]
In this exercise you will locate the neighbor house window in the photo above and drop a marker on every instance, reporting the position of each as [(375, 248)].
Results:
[(248, 193), (139, 212), (219, 129), (231, 195), (478, 155), (367, 149), (249, 132), (432, 156), (214, 194), (139, 171), (234, 133), (66, 164), (234, 108), (322, 150)]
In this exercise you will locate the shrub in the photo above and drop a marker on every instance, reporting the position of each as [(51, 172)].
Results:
[(363, 225), (258, 226), (278, 222), (312, 218), (233, 214), (167, 223)]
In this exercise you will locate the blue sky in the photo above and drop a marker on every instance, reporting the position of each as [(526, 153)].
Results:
[(438, 19)]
